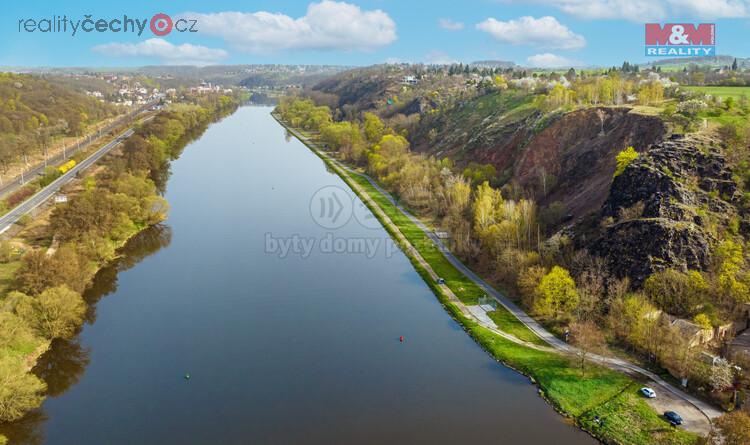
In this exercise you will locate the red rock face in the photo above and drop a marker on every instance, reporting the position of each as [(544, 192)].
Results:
[(572, 159), (579, 150)]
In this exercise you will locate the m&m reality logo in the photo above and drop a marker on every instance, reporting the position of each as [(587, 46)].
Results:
[(680, 39)]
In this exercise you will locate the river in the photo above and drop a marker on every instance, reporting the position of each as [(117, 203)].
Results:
[(296, 347)]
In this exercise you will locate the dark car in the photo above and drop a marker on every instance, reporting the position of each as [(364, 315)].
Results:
[(673, 417)]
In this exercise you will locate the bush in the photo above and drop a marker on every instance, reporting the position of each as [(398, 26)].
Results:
[(676, 292), (624, 158), (20, 391), (19, 196), (15, 335), (55, 313)]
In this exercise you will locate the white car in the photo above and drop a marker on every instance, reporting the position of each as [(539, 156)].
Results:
[(648, 392)]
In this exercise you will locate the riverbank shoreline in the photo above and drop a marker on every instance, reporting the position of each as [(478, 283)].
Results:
[(38, 238), (546, 368)]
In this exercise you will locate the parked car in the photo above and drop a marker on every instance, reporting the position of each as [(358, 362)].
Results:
[(440, 281), (673, 418), (648, 392)]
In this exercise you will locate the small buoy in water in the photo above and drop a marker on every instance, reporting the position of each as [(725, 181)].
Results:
[(401, 339), (187, 376)]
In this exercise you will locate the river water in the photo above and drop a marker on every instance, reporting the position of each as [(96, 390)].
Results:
[(301, 346)]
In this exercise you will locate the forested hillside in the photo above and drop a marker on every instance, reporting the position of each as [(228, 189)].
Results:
[(33, 111)]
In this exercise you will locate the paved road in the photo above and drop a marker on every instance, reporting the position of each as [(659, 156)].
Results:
[(7, 220), (615, 363), (39, 168)]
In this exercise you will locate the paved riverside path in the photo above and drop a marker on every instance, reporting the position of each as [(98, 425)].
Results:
[(688, 400)]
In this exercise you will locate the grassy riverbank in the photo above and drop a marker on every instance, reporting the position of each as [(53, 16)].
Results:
[(624, 417)]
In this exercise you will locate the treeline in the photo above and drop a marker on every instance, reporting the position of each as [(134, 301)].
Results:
[(115, 205), (611, 89), (33, 111), (498, 231)]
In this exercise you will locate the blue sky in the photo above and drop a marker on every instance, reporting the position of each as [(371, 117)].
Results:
[(363, 32)]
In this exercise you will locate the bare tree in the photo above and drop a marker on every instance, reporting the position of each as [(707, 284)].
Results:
[(588, 338)]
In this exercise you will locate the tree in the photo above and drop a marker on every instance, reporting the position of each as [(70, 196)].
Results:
[(20, 391), (731, 263), (721, 375), (40, 271), (557, 292), (734, 428), (36, 272), (587, 337), (734, 64), (15, 333), (55, 313), (486, 202), (624, 158), (633, 319), (703, 321), (528, 283), (677, 292), (500, 82), (457, 209), (374, 128)]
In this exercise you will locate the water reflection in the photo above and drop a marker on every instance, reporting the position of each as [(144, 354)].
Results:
[(139, 247), (26, 431), (63, 365)]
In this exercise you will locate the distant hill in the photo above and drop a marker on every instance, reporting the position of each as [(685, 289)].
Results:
[(717, 61), (493, 64), (174, 75)]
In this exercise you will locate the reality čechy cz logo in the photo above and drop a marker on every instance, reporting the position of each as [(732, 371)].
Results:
[(160, 24), (680, 39)]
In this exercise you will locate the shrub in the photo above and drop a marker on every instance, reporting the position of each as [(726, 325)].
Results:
[(676, 292), (624, 158), (20, 391), (55, 313)]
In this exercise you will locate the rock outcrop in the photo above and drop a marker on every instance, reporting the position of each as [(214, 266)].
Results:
[(663, 209)]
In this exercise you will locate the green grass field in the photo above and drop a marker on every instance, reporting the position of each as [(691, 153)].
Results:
[(735, 92), (629, 418)]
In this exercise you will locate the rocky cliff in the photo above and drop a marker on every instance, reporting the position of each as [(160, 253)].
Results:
[(561, 158), (664, 210)]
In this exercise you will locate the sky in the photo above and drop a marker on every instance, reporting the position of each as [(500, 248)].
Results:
[(543, 33)]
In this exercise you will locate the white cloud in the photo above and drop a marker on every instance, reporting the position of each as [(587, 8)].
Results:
[(439, 58), (545, 32), (712, 9), (327, 25), (450, 25), (185, 54), (642, 11), (548, 60)]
